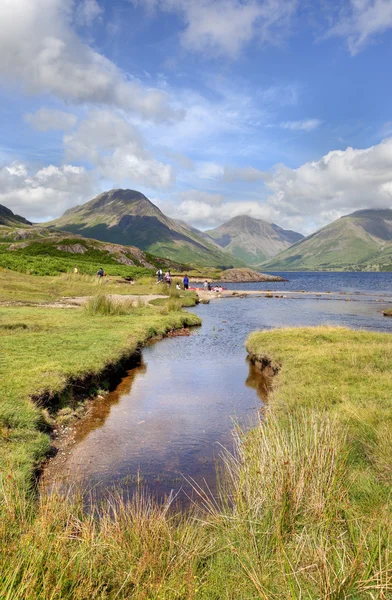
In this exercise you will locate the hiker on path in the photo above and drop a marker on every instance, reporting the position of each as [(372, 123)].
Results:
[(168, 278), (159, 274), (185, 281), (205, 285), (100, 273), (76, 270)]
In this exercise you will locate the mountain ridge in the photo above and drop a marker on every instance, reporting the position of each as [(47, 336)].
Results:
[(128, 217), (9, 219), (252, 240), (361, 240)]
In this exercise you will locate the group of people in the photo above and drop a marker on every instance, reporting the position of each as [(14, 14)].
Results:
[(168, 279)]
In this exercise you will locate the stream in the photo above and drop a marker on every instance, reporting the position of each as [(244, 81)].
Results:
[(170, 416)]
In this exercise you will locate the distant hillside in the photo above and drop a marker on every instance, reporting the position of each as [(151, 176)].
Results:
[(128, 217), (42, 251), (359, 241), (252, 240), (8, 218)]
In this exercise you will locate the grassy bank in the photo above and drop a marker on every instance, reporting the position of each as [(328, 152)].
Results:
[(304, 512), (43, 350), (388, 312)]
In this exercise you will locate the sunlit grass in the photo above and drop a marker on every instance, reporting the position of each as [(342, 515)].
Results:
[(304, 510)]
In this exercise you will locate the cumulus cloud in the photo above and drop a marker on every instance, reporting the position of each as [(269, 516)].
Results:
[(40, 50), (116, 149), (44, 192), (46, 119), (340, 182), (362, 21), (306, 125), (302, 199), (226, 26)]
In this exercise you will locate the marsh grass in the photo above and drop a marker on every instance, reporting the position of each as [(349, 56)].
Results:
[(303, 512)]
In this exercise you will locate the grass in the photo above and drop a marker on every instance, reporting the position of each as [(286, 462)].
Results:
[(43, 349), (43, 258), (105, 305), (304, 511), (19, 287)]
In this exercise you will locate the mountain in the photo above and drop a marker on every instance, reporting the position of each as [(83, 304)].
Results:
[(359, 241), (130, 218), (252, 240), (8, 218)]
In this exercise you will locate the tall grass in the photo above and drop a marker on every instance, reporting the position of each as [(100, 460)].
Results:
[(106, 306), (304, 511)]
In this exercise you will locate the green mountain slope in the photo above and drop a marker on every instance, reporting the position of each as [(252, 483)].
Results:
[(252, 240), (360, 241), (42, 251), (8, 218), (128, 217)]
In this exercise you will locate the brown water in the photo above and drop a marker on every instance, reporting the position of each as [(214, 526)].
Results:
[(169, 417)]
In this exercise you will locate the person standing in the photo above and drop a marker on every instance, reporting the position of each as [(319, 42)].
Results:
[(205, 286), (185, 281), (168, 278), (76, 270), (159, 274)]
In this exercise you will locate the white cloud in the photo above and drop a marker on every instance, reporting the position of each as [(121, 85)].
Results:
[(205, 210), (225, 26), (306, 125), (249, 174), (116, 149), (192, 196), (46, 192), (39, 49), (362, 22), (340, 182), (88, 11), (46, 119)]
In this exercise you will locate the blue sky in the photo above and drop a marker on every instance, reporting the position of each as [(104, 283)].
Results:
[(280, 109)]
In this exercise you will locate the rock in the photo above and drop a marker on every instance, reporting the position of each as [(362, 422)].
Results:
[(72, 248), (18, 246)]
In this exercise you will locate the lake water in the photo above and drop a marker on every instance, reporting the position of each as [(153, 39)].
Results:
[(169, 418)]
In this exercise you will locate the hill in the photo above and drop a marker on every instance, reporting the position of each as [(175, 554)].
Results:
[(128, 217), (41, 251), (8, 218), (252, 240), (359, 241)]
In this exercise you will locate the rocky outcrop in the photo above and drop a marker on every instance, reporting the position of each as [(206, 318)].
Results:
[(72, 248), (246, 276)]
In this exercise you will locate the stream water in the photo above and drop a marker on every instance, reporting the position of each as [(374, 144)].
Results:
[(169, 417)]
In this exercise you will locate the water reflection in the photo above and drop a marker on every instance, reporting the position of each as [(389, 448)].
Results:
[(171, 415)]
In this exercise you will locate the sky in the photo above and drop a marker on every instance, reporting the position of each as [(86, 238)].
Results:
[(278, 109)]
